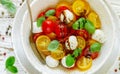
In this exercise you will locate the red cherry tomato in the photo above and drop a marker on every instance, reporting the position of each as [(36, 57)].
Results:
[(48, 26), (86, 51), (83, 33), (94, 55), (60, 10), (41, 14), (36, 35), (61, 30)]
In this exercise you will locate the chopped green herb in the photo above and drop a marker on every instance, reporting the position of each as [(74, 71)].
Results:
[(70, 60), (40, 21), (53, 45)]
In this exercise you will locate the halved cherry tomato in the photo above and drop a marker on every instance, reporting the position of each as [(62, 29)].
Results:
[(53, 18), (93, 17), (41, 14), (91, 41), (61, 30), (86, 51), (84, 63), (36, 35), (63, 3), (81, 42), (48, 26), (94, 55), (80, 7), (59, 53), (60, 10), (83, 33), (42, 43), (51, 35)]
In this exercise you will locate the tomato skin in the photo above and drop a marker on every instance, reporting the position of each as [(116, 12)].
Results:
[(83, 33), (48, 26), (86, 51), (94, 55), (61, 30), (36, 35), (41, 14), (60, 10)]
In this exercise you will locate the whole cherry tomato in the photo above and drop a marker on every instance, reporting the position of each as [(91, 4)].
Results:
[(60, 10), (61, 30), (48, 26), (83, 33)]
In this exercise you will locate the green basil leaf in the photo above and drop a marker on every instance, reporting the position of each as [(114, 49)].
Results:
[(50, 13), (10, 61), (53, 45), (79, 24), (12, 69), (9, 6), (40, 21), (77, 52), (95, 47), (70, 60), (89, 27)]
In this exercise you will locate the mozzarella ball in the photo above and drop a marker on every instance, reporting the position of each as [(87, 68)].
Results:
[(67, 16), (71, 43), (99, 36), (36, 29), (63, 62), (51, 62)]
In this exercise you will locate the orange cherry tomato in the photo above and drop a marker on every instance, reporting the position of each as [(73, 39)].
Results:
[(53, 18), (51, 35)]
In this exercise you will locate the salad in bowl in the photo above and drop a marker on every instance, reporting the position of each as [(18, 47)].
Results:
[(70, 34)]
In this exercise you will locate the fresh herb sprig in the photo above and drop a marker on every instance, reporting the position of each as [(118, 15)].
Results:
[(9, 64), (9, 6)]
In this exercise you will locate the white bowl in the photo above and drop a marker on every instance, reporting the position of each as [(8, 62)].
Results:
[(107, 25)]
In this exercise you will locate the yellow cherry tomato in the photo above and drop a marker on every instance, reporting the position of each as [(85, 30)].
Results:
[(59, 53), (42, 43), (53, 18), (91, 41), (93, 17), (80, 7), (84, 63), (64, 3), (81, 42), (51, 35)]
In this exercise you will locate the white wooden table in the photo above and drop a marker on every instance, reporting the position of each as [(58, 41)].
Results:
[(6, 49)]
